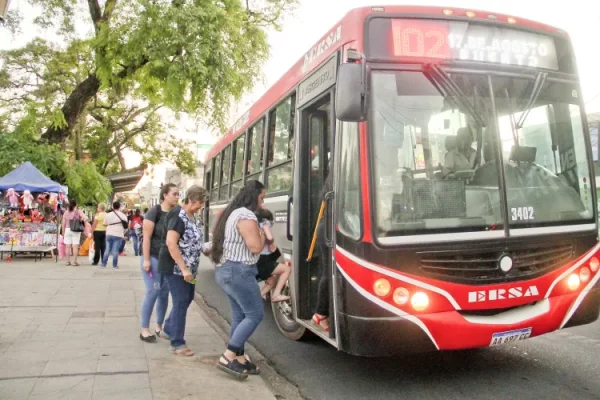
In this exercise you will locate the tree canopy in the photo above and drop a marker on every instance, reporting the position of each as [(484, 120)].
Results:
[(101, 87)]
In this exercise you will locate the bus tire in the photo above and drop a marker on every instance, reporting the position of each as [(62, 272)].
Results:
[(284, 318)]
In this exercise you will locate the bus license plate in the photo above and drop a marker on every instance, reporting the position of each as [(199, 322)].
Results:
[(510, 336)]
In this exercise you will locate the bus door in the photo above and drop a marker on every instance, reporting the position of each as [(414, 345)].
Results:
[(312, 163)]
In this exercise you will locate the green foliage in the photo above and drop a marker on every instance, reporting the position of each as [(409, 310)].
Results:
[(195, 56), (84, 182)]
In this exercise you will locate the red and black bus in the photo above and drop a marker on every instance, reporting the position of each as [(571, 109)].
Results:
[(464, 205)]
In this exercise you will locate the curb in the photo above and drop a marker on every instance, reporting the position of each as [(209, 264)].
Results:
[(281, 388)]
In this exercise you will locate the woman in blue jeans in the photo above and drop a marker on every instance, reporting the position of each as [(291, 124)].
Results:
[(154, 233), (236, 245), (178, 264)]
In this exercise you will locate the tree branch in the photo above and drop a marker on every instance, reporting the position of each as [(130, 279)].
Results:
[(109, 7), (95, 13)]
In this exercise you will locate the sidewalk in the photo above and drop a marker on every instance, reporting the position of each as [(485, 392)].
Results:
[(73, 333)]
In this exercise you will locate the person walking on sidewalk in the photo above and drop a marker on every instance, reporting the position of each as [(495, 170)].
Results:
[(154, 231), (99, 231), (134, 225), (236, 245), (72, 235), (178, 263), (116, 223)]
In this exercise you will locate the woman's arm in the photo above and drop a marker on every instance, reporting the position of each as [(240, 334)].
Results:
[(148, 230), (252, 234), (95, 223), (173, 246)]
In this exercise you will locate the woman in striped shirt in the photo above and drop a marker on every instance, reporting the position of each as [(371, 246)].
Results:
[(236, 245)]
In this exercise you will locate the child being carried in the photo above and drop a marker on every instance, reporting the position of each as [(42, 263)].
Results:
[(267, 264)]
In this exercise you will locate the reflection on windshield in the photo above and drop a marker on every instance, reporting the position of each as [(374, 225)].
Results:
[(435, 157)]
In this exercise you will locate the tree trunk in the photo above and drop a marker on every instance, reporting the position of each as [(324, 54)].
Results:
[(73, 109), (121, 160)]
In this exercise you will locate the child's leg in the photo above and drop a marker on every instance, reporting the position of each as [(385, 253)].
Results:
[(267, 287), (284, 272)]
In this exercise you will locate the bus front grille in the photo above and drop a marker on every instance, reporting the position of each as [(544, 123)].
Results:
[(482, 267)]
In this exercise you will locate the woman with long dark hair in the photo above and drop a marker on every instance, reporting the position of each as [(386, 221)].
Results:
[(236, 245)]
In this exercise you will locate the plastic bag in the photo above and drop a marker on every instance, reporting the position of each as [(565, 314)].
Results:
[(62, 249), (92, 252), (84, 249)]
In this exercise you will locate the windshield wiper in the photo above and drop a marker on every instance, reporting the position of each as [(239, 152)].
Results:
[(439, 76), (540, 80)]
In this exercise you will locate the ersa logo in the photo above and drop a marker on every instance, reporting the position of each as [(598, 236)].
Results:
[(481, 296), (321, 47)]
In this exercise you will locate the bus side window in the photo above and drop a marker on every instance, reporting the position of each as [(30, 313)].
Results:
[(214, 193), (237, 164), (255, 150), (348, 196), (225, 174), (281, 145)]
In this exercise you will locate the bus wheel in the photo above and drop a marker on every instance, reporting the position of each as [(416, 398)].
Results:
[(283, 313)]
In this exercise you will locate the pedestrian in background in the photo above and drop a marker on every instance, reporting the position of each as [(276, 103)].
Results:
[(99, 231), (116, 224)]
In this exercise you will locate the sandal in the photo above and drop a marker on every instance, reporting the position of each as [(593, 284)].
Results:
[(233, 368), (251, 367), (185, 352), (317, 320), (68, 263), (75, 264), (279, 298)]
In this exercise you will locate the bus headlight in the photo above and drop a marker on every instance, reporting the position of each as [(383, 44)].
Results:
[(382, 287), (584, 274), (594, 264), (420, 301), (401, 296), (573, 282)]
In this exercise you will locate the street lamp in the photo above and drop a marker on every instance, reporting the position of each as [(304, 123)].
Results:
[(3, 8)]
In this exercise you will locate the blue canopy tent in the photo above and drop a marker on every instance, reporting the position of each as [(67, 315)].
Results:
[(28, 177)]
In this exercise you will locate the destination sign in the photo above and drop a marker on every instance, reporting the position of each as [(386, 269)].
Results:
[(458, 40)]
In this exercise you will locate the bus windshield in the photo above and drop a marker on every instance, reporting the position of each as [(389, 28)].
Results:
[(436, 142)]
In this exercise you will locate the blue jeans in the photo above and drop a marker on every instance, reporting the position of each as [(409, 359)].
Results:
[(156, 293), (112, 246), (238, 281), (134, 238), (182, 294)]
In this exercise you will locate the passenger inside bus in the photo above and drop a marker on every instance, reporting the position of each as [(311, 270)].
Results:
[(462, 157)]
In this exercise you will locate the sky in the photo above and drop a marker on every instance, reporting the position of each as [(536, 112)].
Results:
[(313, 18)]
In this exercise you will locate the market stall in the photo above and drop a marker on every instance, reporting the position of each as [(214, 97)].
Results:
[(29, 212)]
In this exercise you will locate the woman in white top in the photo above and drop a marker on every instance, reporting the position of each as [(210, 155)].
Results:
[(116, 223), (70, 237), (236, 245)]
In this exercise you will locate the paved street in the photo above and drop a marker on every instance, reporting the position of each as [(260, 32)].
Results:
[(73, 333), (562, 365)]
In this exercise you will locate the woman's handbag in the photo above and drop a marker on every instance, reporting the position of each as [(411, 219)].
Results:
[(76, 225)]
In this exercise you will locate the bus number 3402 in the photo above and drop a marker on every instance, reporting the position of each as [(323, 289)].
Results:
[(522, 213)]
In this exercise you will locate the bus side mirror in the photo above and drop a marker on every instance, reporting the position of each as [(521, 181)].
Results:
[(351, 92)]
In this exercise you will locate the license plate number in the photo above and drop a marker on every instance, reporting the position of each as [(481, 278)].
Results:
[(510, 336)]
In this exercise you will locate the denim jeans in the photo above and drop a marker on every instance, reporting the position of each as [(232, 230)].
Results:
[(134, 239), (182, 294), (112, 246), (238, 281), (156, 293)]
